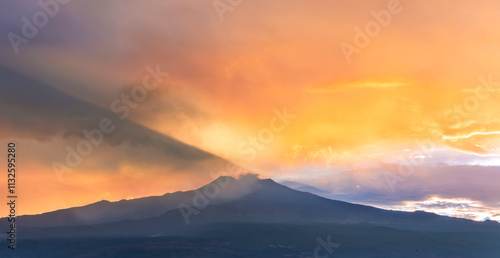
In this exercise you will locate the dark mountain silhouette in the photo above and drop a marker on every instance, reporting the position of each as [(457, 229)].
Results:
[(249, 217), (147, 207), (236, 201)]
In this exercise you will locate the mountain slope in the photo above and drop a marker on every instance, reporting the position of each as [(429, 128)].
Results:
[(105, 211), (271, 203), (274, 203)]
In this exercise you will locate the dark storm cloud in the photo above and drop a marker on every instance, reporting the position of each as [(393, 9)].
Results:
[(31, 109)]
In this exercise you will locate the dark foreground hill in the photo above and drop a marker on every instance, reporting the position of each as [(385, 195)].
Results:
[(221, 240)]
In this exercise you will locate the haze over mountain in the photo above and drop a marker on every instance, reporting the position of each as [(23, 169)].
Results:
[(249, 200)]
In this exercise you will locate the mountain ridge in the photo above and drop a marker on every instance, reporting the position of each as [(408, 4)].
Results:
[(259, 201)]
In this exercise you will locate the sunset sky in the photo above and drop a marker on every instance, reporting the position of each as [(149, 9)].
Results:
[(408, 121)]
